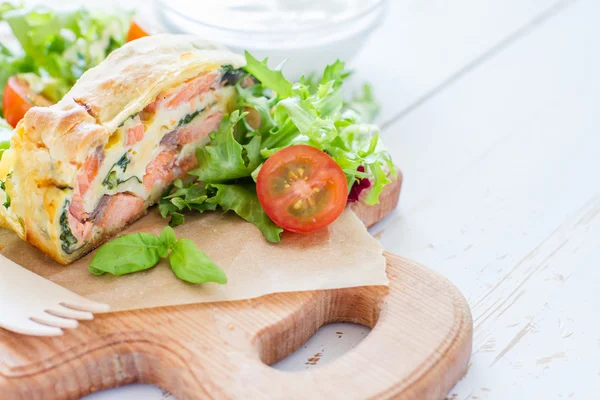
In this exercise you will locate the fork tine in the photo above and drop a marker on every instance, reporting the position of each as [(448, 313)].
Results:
[(84, 304), (61, 311), (29, 327), (52, 320)]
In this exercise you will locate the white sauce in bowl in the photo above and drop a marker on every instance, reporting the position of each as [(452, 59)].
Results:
[(309, 34), (271, 15)]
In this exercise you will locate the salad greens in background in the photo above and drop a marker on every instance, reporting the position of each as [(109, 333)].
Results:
[(54, 48), (57, 47)]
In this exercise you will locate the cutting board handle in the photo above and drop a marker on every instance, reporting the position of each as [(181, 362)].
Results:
[(418, 349), (421, 321)]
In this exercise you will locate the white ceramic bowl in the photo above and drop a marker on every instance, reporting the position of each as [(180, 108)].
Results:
[(308, 41)]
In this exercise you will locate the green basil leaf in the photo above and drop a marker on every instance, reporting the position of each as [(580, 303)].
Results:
[(190, 264), (126, 254), (167, 241)]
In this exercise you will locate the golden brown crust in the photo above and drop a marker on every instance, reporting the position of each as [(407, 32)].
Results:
[(50, 144), (134, 75)]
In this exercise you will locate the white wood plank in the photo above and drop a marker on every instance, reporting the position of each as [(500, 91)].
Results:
[(422, 44), (501, 195)]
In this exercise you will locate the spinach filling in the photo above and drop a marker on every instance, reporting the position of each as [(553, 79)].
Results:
[(66, 236), (231, 76), (111, 181), (128, 118), (7, 201), (189, 118)]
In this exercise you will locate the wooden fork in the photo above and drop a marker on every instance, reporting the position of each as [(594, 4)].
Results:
[(32, 305)]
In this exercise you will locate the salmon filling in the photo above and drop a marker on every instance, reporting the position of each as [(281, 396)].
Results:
[(118, 180)]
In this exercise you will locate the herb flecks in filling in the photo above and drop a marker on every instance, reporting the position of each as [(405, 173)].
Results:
[(231, 75), (188, 118), (128, 118), (66, 236), (6, 203), (111, 181), (123, 162)]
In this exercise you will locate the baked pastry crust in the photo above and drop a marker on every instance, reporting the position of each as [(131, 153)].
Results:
[(49, 146)]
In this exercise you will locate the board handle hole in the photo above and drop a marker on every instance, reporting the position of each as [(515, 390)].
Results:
[(357, 306), (330, 342)]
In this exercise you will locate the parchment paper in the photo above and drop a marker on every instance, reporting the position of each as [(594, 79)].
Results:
[(343, 255)]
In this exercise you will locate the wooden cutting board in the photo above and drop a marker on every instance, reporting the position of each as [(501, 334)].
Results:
[(418, 349)]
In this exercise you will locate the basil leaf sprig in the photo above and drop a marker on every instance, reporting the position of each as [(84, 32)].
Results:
[(140, 251)]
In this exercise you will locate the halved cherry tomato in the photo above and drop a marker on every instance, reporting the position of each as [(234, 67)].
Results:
[(302, 189), (135, 32), (18, 98)]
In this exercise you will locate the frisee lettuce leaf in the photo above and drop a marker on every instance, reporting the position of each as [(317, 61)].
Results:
[(241, 198), (270, 78), (316, 115), (312, 112), (237, 197), (363, 106), (225, 159), (5, 134)]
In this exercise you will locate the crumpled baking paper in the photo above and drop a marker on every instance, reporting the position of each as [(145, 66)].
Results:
[(342, 255)]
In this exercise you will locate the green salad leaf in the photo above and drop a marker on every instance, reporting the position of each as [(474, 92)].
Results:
[(223, 159), (241, 198), (57, 47), (312, 112), (316, 115), (4, 145), (270, 78), (51, 88), (5, 134), (237, 197), (179, 199), (363, 105)]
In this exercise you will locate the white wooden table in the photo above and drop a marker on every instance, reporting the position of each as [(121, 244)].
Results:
[(491, 109)]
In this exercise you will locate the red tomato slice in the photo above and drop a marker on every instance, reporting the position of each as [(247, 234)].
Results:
[(302, 189), (18, 98), (135, 32)]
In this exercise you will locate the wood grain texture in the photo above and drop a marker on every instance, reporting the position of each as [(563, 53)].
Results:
[(419, 346)]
